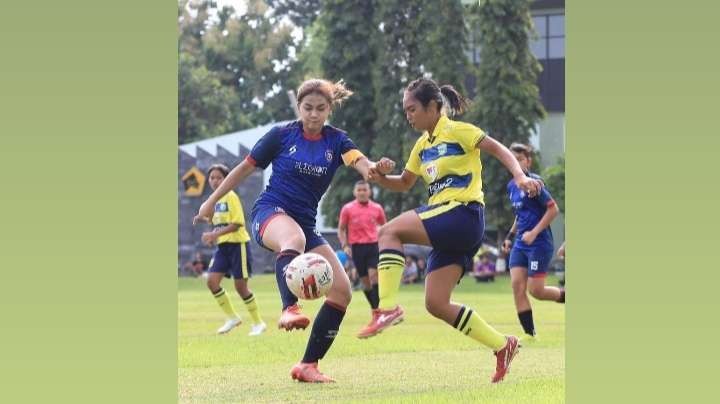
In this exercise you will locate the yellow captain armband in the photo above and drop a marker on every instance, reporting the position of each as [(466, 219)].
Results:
[(352, 156)]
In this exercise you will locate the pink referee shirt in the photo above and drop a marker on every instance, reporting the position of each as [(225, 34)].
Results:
[(362, 221)]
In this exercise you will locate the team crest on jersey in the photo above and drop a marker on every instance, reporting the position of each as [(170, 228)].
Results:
[(442, 149), (293, 149), (328, 155), (432, 171), (221, 207)]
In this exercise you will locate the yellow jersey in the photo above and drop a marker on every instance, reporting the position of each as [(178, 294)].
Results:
[(229, 210), (449, 162)]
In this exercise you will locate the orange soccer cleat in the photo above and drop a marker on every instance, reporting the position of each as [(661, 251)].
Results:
[(505, 357), (382, 320), (293, 318), (309, 373)]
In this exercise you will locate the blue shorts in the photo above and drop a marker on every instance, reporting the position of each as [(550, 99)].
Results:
[(536, 260), (262, 215), (455, 230), (232, 259)]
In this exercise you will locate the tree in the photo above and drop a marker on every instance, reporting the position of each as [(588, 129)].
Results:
[(416, 39), (251, 54), (401, 35), (554, 177), (204, 104), (378, 48), (312, 50), (349, 56), (508, 104), (302, 13), (444, 42), (234, 70)]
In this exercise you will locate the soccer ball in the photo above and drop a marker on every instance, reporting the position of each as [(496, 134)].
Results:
[(309, 276)]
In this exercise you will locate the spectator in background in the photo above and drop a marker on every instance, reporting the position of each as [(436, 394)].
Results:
[(421, 266), (196, 267), (410, 273), (199, 265), (484, 270)]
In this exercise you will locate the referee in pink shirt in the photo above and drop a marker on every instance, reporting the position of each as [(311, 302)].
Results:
[(358, 234)]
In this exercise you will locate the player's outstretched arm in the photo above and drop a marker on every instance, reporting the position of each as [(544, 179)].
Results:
[(363, 166), (397, 183), (502, 153), (236, 176)]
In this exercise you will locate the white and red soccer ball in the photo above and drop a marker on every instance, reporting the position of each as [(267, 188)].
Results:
[(309, 276)]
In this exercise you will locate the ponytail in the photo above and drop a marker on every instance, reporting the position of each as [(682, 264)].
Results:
[(457, 103), (426, 90), (340, 93)]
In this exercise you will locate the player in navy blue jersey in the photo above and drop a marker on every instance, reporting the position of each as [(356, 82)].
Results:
[(305, 155), (530, 243)]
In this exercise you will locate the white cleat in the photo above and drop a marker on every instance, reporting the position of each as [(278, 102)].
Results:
[(257, 329), (229, 325)]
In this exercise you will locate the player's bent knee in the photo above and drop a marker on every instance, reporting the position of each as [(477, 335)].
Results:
[(213, 285), (518, 286), (295, 242), (536, 291), (434, 307), (386, 231), (340, 295), (242, 289)]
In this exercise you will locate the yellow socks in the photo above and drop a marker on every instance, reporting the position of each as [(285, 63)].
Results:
[(225, 304), (390, 269), (472, 325), (252, 308)]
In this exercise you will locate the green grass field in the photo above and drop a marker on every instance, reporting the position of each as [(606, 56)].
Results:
[(420, 360)]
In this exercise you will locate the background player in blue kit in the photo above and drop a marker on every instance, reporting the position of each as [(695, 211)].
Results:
[(305, 155), (532, 248)]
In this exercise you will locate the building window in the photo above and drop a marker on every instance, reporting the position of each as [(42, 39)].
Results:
[(550, 43)]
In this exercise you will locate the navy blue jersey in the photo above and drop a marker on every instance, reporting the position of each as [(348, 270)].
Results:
[(528, 212), (303, 167)]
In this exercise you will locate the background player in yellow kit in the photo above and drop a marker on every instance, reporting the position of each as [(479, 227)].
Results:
[(232, 255)]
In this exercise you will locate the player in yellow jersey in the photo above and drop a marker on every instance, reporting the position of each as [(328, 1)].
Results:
[(447, 157), (232, 255)]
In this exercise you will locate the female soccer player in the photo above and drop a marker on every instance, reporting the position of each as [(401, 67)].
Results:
[(532, 249), (447, 157), (305, 155), (232, 256)]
